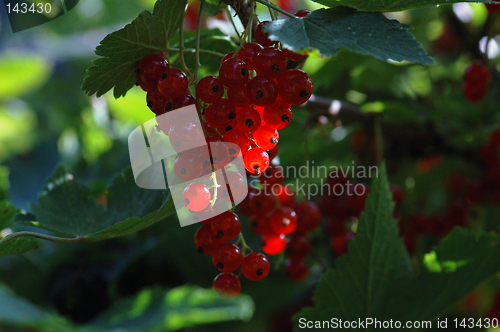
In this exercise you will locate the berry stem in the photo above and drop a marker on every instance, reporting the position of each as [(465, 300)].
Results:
[(244, 246), (16, 235), (270, 5), (182, 48), (197, 49), (216, 185), (234, 25), (271, 12), (247, 33)]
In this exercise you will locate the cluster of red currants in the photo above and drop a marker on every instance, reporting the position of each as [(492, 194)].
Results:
[(477, 76), (274, 214), (259, 92)]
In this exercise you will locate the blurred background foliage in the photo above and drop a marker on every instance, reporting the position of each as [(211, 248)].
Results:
[(45, 120)]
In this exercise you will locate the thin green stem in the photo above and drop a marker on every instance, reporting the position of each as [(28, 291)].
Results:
[(216, 185), (247, 33), (182, 48), (197, 49), (273, 17), (270, 5), (16, 235), (244, 246), (234, 25)]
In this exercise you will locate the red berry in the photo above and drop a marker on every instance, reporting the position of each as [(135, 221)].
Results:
[(255, 266), (156, 101), (188, 165), (233, 72), (237, 188), (205, 241), (308, 215), (270, 62), (397, 194), (196, 196), (238, 96), (173, 83), (248, 54), (227, 284), (296, 269), (141, 83), (215, 152), (273, 244), (474, 92), (256, 160), (262, 91), (277, 115), (210, 89), (271, 176), (294, 56), (184, 135), (295, 86), (266, 137), (259, 224), (150, 67), (263, 37), (302, 13), (220, 113), (227, 56), (477, 73), (227, 257), (248, 119), (284, 194), (239, 138), (226, 226), (283, 220), (298, 247)]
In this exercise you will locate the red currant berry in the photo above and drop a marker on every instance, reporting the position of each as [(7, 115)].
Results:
[(477, 73), (474, 92), (397, 194), (227, 257), (294, 56), (196, 196), (220, 113), (156, 101), (256, 160), (298, 246), (248, 54), (255, 266), (273, 244), (173, 83), (239, 138), (205, 241), (210, 89), (262, 91), (283, 220), (233, 72), (295, 86), (227, 284), (266, 137), (308, 215), (271, 176), (296, 270), (248, 119), (492, 8), (302, 13), (284, 194), (227, 56), (150, 67), (141, 83), (226, 226), (184, 134), (188, 165), (259, 224), (277, 115), (272, 153), (237, 187), (270, 62), (215, 152), (238, 96), (263, 37)]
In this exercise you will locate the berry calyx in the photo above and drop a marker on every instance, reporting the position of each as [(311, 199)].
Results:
[(256, 160), (255, 266)]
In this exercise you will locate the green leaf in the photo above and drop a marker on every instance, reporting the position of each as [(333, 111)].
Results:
[(214, 7), (7, 213), (390, 5), (123, 49), (159, 310), (376, 278), (329, 30), (17, 245)]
